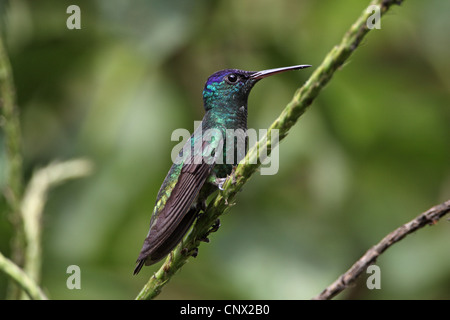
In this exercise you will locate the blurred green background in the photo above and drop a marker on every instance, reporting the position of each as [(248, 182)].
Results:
[(371, 153)]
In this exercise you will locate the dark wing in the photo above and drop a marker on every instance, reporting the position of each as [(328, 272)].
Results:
[(175, 218)]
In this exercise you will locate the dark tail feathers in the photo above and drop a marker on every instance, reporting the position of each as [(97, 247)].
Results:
[(140, 264)]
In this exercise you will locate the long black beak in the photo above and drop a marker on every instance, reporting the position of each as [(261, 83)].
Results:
[(265, 73)]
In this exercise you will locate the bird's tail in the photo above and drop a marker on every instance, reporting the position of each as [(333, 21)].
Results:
[(139, 265)]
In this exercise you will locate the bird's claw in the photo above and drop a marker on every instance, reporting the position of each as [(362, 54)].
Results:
[(219, 183), (215, 226)]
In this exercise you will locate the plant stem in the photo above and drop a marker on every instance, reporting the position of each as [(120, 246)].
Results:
[(9, 121), (21, 278), (33, 203), (429, 217)]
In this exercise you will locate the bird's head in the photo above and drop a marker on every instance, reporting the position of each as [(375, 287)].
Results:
[(231, 87)]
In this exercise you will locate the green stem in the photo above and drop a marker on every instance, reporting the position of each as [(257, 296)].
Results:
[(33, 203), (302, 99), (9, 121), (21, 278)]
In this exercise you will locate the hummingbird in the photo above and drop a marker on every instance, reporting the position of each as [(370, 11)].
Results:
[(203, 164)]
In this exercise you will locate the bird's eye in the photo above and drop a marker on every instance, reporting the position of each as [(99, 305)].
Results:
[(232, 78)]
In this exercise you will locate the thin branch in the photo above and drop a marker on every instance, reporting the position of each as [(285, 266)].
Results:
[(21, 278), (301, 101), (33, 204), (429, 217)]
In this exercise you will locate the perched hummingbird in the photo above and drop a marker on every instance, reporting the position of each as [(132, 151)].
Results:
[(202, 165)]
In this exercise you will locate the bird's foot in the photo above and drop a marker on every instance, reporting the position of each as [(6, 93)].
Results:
[(218, 182), (215, 226)]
